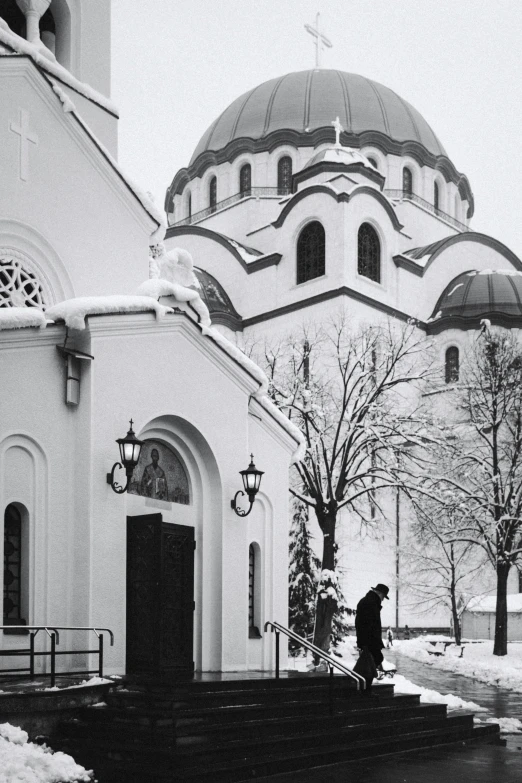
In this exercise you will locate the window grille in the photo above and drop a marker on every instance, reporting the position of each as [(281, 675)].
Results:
[(284, 175), (436, 196), (311, 252), (452, 365), (212, 194), (245, 179), (369, 253), (12, 566), (407, 180), (18, 286)]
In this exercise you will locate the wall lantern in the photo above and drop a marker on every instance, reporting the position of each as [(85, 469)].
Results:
[(251, 481), (130, 449)]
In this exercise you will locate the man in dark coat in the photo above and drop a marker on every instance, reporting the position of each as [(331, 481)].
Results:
[(368, 622)]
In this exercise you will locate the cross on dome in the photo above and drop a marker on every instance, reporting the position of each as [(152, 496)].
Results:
[(338, 130), (320, 40)]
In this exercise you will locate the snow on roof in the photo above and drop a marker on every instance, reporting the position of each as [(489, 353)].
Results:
[(45, 60), (488, 603), (157, 287), (261, 394), (74, 311), (145, 200), (20, 317)]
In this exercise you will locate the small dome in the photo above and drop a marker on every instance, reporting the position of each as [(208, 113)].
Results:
[(305, 101), (345, 155), (488, 293), (217, 300)]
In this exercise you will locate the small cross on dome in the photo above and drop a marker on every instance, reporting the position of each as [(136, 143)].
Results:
[(338, 130)]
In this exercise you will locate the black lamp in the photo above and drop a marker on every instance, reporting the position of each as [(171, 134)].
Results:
[(130, 449), (251, 481)]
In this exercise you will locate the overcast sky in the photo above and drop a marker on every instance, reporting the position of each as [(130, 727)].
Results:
[(178, 63)]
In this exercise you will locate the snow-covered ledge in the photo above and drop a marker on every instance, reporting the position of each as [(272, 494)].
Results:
[(21, 317)]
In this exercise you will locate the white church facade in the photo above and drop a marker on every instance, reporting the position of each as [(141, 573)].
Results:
[(321, 190), (88, 341)]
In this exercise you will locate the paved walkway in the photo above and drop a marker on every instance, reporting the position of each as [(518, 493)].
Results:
[(465, 764)]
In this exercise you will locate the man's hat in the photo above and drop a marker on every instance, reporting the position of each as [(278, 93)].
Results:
[(382, 589)]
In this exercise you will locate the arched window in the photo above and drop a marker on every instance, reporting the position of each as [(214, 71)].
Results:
[(253, 589), (369, 253), (374, 162), (436, 195), (245, 179), (310, 252), (284, 175), (14, 17), (407, 180), (457, 206), (189, 205), (13, 575), (48, 30), (212, 194), (452, 365)]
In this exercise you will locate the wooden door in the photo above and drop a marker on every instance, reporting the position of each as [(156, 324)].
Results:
[(160, 596)]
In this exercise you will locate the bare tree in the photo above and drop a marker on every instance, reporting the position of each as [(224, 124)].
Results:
[(485, 479), (346, 390), (440, 571)]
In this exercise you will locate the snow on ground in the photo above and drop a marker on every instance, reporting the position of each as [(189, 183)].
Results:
[(348, 655), (82, 684), (477, 661), (24, 762)]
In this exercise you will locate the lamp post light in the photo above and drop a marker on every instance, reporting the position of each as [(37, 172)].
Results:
[(130, 449), (251, 482)]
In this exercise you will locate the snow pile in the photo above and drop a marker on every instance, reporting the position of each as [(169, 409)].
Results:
[(248, 255), (477, 662), (507, 725), (428, 696), (44, 58), (25, 762), (157, 287), (82, 684), (20, 317), (74, 311)]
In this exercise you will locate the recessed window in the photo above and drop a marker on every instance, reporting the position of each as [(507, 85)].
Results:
[(407, 181), (369, 253), (452, 365), (284, 175), (253, 589), (189, 205), (12, 613), (212, 194), (310, 252), (245, 180), (436, 196)]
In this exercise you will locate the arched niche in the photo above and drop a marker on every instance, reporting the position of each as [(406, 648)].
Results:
[(204, 513)]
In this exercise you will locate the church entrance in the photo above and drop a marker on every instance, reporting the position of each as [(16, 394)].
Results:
[(160, 596)]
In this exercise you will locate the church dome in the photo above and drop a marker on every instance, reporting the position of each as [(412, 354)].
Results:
[(493, 294), (307, 101)]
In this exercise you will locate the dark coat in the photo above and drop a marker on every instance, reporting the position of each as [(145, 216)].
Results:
[(368, 622)]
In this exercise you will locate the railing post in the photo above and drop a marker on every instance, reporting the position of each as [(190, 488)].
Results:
[(31, 655), (53, 659), (100, 655), (277, 654), (331, 689)]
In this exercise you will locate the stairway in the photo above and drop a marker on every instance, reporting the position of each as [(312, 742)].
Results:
[(237, 730)]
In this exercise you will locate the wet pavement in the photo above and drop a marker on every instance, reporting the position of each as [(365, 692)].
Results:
[(462, 764)]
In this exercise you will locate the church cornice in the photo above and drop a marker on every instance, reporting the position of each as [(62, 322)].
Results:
[(293, 138), (262, 262), (339, 197), (410, 264), (325, 296), (343, 168), (465, 323)]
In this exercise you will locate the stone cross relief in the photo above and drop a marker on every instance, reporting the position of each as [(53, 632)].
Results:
[(25, 138), (338, 130)]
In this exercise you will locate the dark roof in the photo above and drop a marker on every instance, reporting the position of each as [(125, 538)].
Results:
[(476, 294), (426, 250), (307, 100), (217, 300)]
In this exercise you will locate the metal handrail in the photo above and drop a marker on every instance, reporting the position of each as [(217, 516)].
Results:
[(407, 195), (247, 193), (332, 662), (54, 635)]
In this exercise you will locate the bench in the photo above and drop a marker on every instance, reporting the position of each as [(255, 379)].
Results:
[(446, 645)]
